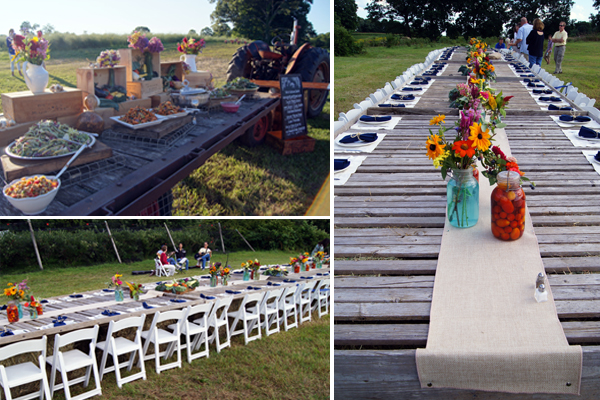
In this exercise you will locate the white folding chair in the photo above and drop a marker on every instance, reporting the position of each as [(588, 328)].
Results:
[(160, 336), (196, 332), (249, 315), (572, 94), (27, 372), (118, 345), (338, 126), (591, 103), (388, 88), (320, 295), (303, 301), (218, 319), (163, 270), (535, 68), (75, 359), (269, 311), (287, 306)]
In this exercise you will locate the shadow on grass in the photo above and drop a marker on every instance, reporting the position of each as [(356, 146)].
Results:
[(62, 81)]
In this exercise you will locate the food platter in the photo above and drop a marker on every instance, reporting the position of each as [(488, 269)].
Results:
[(7, 150), (159, 119)]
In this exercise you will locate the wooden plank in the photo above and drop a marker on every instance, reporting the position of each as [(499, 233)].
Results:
[(28, 107)]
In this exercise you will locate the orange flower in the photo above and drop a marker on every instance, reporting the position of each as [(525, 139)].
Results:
[(434, 147), (464, 148)]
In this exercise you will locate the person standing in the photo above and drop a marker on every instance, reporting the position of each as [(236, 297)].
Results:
[(535, 43), (513, 44), (560, 43), (12, 53), (548, 50), (524, 31)]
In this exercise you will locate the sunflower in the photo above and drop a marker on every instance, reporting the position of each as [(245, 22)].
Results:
[(434, 147), (437, 120), (477, 81), (464, 148), (491, 68), (480, 138), (492, 102), (482, 71)]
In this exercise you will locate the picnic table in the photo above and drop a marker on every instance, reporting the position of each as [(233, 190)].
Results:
[(85, 310), (139, 175), (389, 218)]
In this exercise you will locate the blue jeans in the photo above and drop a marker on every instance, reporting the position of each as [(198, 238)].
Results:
[(534, 60), (204, 259), (187, 263), (171, 261)]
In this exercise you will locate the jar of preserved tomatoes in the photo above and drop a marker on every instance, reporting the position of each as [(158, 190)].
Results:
[(12, 312), (508, 207)]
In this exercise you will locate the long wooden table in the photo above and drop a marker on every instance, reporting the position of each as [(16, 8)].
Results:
[(84, 312), (389, 218)]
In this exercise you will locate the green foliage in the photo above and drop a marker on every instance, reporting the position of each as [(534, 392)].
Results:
[(344, 42), (322, 40), (345, 12)]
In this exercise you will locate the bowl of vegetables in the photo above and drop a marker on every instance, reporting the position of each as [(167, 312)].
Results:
[(32, 194), (241, 86)]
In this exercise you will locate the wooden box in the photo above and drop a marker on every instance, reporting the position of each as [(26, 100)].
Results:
[(128, 56), (126, 105), (164, 68), (26, 106), (157, 99), (88, 77), (199, 79), (145, 89), (301, 144)]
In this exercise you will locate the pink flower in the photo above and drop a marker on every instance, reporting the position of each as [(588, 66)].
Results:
[(511, 159), (39, 34)]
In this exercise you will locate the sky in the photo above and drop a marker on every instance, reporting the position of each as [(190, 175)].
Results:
[(581, 9), (122, 16)]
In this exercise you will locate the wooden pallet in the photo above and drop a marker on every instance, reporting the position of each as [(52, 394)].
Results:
[(389, 218)]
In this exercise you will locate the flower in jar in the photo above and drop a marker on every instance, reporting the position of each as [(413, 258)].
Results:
[(479, 137), (437, 120), (464, 148), (435, 147)]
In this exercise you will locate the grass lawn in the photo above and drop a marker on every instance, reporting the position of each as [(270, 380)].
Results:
[(236, 181), (357, 77), (286, 365)]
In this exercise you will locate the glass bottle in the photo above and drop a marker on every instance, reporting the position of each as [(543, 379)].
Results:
[(119, 294), (12, 312), (463, 199), (508, 207), (246, 274)]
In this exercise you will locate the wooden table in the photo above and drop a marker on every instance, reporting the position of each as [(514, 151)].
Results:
[(389, 218), (92, 306)]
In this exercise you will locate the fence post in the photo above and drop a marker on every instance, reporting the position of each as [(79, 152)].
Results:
[(113, 242), (170, 237), (37, 253), (221, 235), (245, 240)]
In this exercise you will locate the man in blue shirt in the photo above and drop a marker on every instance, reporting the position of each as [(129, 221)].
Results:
[(500, 44), (524, 31), (11, 53)]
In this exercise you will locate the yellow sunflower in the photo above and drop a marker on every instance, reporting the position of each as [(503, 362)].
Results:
[(437, 120), (434, 147), (480, 138)]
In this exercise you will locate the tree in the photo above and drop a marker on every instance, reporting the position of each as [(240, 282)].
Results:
[(141, 29), (26, 27), (471, 22), (345, 11), (263, 20), (206, 31), (192, 32), (221, 29), (551, 12), (48, 29)]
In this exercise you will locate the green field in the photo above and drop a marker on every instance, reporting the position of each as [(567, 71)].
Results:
[(357, 77), (236, 181), (286, 365)]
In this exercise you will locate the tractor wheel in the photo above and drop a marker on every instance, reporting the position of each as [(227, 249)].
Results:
[(256, 135), (239, 66), (313, 65)]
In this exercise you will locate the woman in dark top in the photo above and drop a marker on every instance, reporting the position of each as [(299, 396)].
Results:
[(535, 43)]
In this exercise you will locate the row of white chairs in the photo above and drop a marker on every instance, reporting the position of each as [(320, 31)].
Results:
[(288, 306)]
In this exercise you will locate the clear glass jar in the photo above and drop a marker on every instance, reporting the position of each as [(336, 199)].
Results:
[(508, 207), (463, 199)]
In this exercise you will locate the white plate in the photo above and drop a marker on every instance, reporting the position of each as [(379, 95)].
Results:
[(574, 122), (10, 154), (589, 139), (342, 170), (159, 119), (374, 122), (596, 161), (355, 144), (172, 116)]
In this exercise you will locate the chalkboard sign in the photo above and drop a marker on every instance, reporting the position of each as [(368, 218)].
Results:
[(292, 106)]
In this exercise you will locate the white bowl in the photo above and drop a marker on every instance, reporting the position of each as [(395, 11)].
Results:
[(32, 205)]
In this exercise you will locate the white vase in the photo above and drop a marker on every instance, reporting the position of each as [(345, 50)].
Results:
[(190, 60), (36, 77)]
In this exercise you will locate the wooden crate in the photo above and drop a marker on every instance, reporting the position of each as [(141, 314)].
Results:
[(8, 135), (157, 99), (88, 77), (145, 89), (301, 144), (128, 56), (27, 107), (199, 79), (127, 105), (164, 68)]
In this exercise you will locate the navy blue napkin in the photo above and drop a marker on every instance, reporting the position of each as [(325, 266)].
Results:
[(527, 75), (597, 156), (429, 73), (306, 277), (552, 107), (405, 97), (420, 78), (207, 297), (549, 98), (531, 84), (586, 132), (355, 137), (238, 272), (59, 321), (539, 91), (371, 118), (205, 277), (417, 83), (3, 308), (340, 163), (178, 301), (75, 296), (44, 301), (7, 332), (392, 105), (109, 313), (232, 292), (146, 306), (273, 284), (569, 118), (253, 288), (411, 89), (289, 281), (111, 290)]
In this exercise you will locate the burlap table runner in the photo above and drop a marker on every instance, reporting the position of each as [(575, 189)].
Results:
[(486, 331)]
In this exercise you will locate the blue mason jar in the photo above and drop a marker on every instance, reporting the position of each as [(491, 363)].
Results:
[(463, 199)]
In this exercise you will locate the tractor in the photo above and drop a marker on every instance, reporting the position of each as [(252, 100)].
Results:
[(257, 61)]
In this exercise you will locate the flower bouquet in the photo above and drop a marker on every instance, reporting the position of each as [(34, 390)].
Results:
[(33, 307), (191, 46), (179, 286), (30, 48), (295, 262), (276, 271), (139, 41), (135, 290), (319, 256), (108, 58), (16, 292), (225, 274), (214, 271), (117, 282)]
